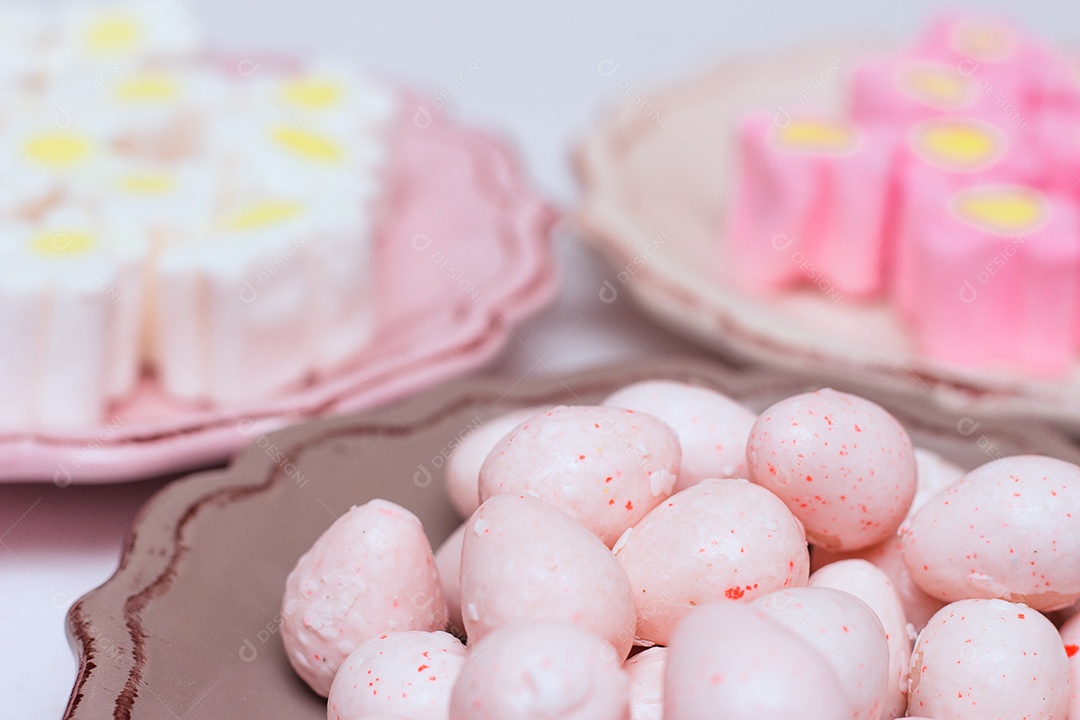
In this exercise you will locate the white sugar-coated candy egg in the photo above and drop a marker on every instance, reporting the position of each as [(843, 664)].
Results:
[(843, 466), (1008, 529), (409, 674), (730, 661), (1070, 637), (463, 465), (605, 467), (712, 428), (873, 587), (989, 660), (523, 559), (541, 670), (448, 561), (934, 474), (847, 633), (371, 572), (725, 540), (646, 674)]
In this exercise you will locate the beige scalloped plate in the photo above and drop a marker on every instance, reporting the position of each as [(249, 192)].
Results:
[(657, 178)]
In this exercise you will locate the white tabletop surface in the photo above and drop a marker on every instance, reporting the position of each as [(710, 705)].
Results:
[(527, 68)]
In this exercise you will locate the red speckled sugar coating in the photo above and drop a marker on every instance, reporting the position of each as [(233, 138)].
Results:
[(934, 474), (842, 465), (1008, 529), (605, 467), (408, 674), (1070, 637), (463, 465), (448, 561), (371, 572), (646, 673), (989, 660), (712, 428), (541, 670), (729, 661), (847, 633), (873, 587), (523, 559), (718, 540)]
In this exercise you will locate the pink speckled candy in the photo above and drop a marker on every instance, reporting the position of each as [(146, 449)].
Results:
[(841, 464), (1070, 637), (934, 475), (646, 673), (989, 660), (718, 540), (605, 467), (1009, 529), (873, 587), (541, 671), (448, 561), (733, 662), (712, 428), (409, 674), (523, 559), (463, 465), (371, 572), (847, 633)]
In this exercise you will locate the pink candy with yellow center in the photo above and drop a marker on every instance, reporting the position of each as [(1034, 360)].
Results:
[(999, 269), (791, 224), (842, 465)]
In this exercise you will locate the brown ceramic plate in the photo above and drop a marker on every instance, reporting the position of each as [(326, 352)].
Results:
[(188, 626)]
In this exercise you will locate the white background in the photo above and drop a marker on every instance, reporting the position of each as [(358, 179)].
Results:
[(526, 68)]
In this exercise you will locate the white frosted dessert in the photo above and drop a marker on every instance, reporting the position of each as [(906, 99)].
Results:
[(206, 223)]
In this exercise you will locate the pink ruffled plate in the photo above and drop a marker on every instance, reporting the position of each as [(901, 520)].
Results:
[(463, 253), (657, 180)]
